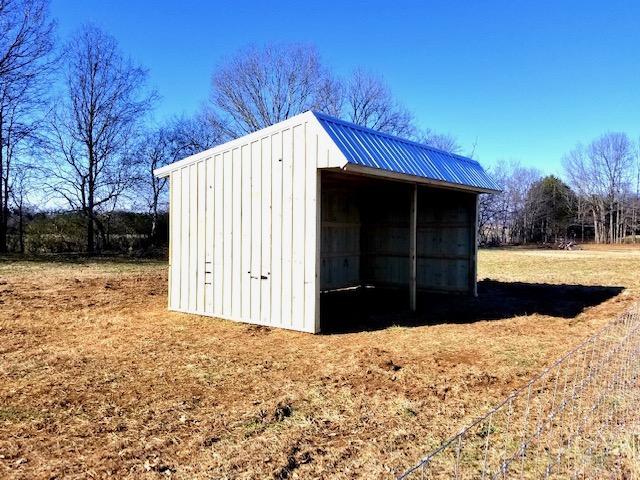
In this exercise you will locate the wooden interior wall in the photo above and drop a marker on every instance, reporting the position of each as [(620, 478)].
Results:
[(385, 234), (445, 250), (365, 235), (365, 231), (340, 233)]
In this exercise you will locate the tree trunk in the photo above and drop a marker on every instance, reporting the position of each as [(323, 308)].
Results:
[(622, 221), (102, 231), (5, 217), (21, 229), (3, 189), (603, 224), (90, 235), (154, 226), (611, 230), (104, 237), (3, 225)]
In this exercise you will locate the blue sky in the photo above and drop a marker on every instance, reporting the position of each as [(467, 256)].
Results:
[(527, 80)]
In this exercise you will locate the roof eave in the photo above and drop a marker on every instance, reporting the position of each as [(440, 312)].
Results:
[(162, 172), (403, 177)]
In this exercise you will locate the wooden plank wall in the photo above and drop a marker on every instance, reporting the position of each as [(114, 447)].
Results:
[(340, 239), (244, 231), (365, 235), (385, 234), (446, 222)]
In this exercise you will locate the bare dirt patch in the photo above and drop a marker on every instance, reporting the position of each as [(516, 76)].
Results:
[(97, 379)]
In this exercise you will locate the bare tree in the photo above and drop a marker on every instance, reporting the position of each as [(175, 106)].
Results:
[(94, 129), (331, 96), (635, 212), (15, 133), (261, 86), (191, 135), (504, 217), (441, 141), (23, 176), (444, 141), (154, 152), (26, 36), (369, 102), (602, 173), (180, 138), (26, 46)]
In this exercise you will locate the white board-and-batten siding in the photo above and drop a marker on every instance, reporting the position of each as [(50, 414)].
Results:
[(244, 228)]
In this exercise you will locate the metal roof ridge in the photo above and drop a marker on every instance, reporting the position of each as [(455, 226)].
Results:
[(346, 123)]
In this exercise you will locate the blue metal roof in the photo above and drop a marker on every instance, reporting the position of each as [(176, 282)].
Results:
[(370, 148)]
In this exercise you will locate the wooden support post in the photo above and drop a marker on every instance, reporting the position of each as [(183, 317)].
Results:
[(473, 257), (413, 265), (318, 248)]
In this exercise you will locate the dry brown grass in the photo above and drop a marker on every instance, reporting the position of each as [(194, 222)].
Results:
[(97, 379)]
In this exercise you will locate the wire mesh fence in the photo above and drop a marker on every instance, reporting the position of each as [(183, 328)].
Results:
[(578, 418)]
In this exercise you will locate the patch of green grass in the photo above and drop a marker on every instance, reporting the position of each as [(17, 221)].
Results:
[(485, 430), (409, 412), (516, 357), (15, 414), (254, 426), (109, 264)]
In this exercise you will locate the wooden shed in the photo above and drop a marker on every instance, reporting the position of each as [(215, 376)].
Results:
[(262, 226)]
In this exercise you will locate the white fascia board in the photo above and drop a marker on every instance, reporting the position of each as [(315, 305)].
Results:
[(335, 156), (251, 137)]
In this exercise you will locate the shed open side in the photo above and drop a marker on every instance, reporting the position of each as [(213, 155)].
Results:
[(366, 236)]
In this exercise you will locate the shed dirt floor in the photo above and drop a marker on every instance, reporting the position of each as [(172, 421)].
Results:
[(98, 380)]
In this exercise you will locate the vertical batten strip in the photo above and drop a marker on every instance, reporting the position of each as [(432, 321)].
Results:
[(218, 191), (265, 254), (245, 294), (298, 249), (184, 254), (209, 239), (170, 181), (236, 252), (201, 192), (256, 226), (276, 229), (287, 225), (175, 223), (228, 233), (311, 172), (193, 237)]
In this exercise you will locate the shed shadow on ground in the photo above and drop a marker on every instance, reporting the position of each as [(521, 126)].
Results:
[(367, 309)]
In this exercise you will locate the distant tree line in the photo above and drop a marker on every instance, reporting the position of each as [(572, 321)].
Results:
[(599, 202), (79, 141)]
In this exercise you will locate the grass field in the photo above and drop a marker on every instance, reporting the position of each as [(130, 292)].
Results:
[(97, 379)]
